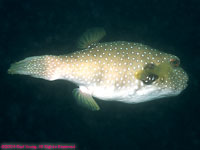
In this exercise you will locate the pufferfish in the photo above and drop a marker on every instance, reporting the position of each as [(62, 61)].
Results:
[(112, 71)]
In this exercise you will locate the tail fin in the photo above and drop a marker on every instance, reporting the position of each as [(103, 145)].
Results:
[(37, 66)]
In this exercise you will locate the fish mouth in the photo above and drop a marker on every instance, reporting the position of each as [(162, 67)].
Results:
[(175, 81)]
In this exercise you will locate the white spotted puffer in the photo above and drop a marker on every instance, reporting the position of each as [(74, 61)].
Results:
[(120, 71)]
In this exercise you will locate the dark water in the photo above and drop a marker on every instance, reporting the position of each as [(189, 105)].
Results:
[(38, 111)]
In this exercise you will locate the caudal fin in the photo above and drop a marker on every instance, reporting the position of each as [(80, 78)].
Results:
[(34, 66)]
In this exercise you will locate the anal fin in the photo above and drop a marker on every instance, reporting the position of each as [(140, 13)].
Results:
[(85, 100)]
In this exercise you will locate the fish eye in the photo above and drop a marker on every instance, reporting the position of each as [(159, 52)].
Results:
[(149, 79), (174, 62)]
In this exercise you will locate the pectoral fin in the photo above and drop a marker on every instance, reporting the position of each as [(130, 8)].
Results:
[(85, 100)]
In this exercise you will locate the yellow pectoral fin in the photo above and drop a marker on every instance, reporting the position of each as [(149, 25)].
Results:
[(85, 100), (90, 37), (152, 72)]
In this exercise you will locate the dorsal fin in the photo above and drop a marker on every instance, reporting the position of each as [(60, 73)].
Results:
[(90, 37)]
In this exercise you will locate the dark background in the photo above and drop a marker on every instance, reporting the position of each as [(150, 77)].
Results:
[(39, 111)]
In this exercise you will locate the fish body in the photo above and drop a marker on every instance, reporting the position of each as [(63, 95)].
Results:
[(113, 71)]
